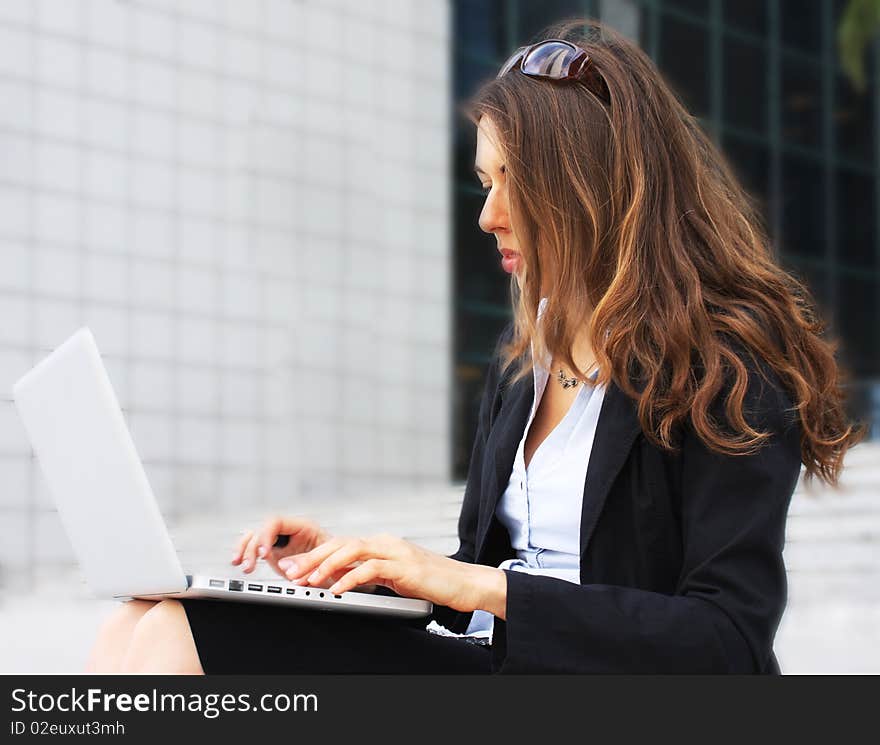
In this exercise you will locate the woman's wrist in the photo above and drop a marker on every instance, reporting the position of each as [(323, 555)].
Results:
[(492, 590)]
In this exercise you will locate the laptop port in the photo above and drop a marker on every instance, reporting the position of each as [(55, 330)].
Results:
[(272, 588), (338, 596), (236, 585), (215, 582), (255, 588), (290, 591)]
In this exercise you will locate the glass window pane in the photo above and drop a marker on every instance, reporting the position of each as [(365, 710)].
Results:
[(687, 73), (856, 222), (745, 84), (694, 7), (856, 324), (801, 103), (749, 15), (480, 27), (751, 163), (802, 24), (478, 273), (854, 121), (803, 207), (533, 17)]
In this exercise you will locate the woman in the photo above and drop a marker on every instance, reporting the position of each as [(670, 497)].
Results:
[(625, 505)]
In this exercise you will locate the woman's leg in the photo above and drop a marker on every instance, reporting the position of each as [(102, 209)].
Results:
[(162, 642), (114, 636)]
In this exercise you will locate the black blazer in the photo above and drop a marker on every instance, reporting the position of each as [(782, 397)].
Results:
[(681, 553)]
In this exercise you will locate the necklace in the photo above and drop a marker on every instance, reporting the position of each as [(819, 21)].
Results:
[(567, 382)]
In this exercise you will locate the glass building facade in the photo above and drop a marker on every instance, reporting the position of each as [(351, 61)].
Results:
[(765, 79)]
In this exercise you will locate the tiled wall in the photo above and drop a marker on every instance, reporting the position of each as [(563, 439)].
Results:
[(247, 201)]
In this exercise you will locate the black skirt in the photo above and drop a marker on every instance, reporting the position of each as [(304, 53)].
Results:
[(255, 638)]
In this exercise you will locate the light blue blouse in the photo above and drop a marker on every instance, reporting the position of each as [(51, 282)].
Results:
[(541, 506)]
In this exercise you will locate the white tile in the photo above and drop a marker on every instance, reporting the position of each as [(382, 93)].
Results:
[(281, 447), (153, 435), (239, 393), (110, 327), (17, 152), (432, 321), (106, 72), (395, 453), (195, 488), (13, 364), (196, 290), (15, 541), (152, 33), (153, 133), (154, 83), (57, 219), (152, 335), (161, 480), (153, 284), (108, 22), (246, 16), (239, 489), (359, 448), (55, 546), (319, 445), (15, 474), (359, 400), (152, 386), (198, 93), (395, 317), (197, 45), (19, 11), (16, 265), (197, 390), (198, 142), (14, 319), (106, 126), (55, 321), (196, 340), (240, 344), (17, 100), (57, 113), (394, 403), (243, 57), (13, 438), (239, 445), (15, 207), (284, 19), (58, 166), (197, 441), (200, 241), (16, 51), (106, 277), (58, 61), (153, 233), (432, 366), (323, 303), (241, 295), (197, 191), (56, 271), (106, 175), (322, 259), (152, 184), (105, 226)]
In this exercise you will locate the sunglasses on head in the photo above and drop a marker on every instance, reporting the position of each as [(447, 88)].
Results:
[(556, 59)]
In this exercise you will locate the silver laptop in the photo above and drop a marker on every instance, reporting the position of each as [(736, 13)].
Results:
[(86, 452)]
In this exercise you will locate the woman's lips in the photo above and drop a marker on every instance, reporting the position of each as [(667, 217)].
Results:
[(509, 260)]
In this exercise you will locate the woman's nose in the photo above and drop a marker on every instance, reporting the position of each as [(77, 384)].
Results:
[(493, 216)]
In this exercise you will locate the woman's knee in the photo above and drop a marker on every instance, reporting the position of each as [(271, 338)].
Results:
[(115, 633), (162, 642)]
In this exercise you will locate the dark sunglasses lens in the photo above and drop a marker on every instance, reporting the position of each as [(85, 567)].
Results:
[(549, 59)]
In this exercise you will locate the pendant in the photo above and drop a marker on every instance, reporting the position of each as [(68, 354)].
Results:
[(567, 382)]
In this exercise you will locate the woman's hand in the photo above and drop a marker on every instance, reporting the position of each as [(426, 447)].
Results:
[(408, 569), (304, 535)]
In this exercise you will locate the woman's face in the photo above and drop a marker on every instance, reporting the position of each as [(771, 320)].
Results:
[(495, 217)]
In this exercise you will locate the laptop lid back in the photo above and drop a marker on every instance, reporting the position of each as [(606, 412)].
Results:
[(86, 453)]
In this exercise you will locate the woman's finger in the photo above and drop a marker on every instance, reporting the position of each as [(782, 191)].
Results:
[(369, 571), (305, 563), (352, 551), (240, 546), (294, 527)]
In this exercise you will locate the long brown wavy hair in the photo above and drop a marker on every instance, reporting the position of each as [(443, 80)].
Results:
[(628, 215)]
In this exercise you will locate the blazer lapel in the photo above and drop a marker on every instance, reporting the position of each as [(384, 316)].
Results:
[(503, 443), (616, 431)]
